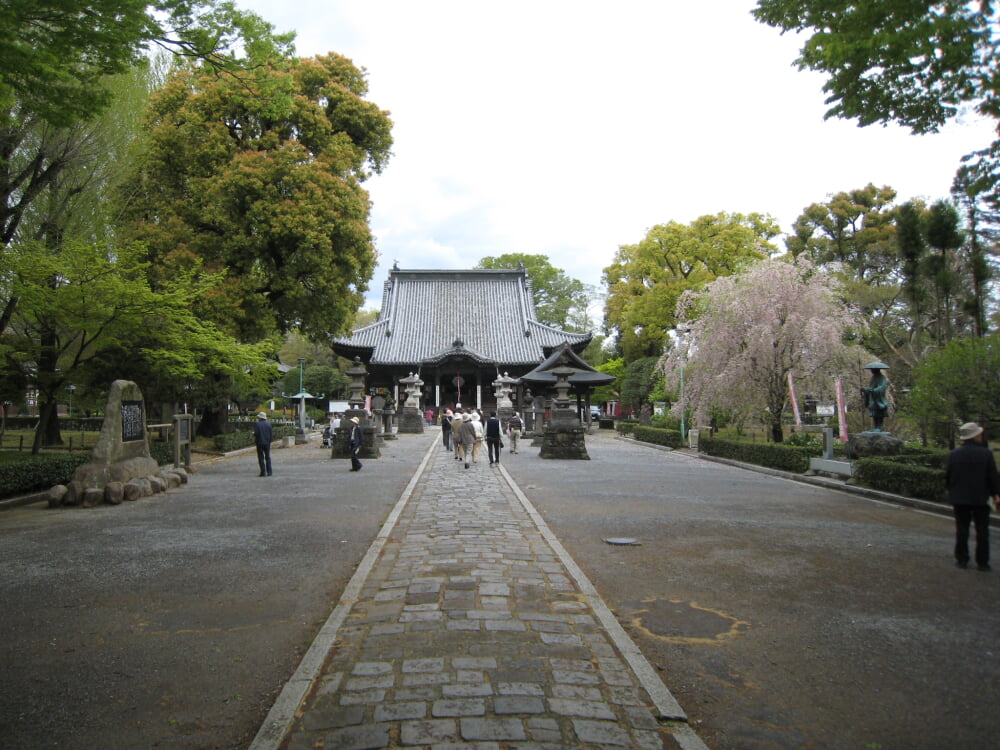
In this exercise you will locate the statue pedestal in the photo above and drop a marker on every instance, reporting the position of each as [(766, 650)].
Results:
[(411, 421), (564, 440), (866, 444)]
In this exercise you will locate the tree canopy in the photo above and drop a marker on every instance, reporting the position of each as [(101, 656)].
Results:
[(646, 280), (560, 300), (918, 64), (265, 190), (55, 53)]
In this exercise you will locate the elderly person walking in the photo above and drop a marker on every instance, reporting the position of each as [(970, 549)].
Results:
[(972, 482), (466, 439), (456, 438), (477, 426), (514, 427)]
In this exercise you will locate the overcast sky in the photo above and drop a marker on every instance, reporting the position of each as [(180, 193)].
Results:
[(567, 129)]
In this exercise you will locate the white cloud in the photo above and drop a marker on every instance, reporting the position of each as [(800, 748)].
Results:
[(569, 128)]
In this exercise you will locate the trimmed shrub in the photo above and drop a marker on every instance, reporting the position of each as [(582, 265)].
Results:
[(657, 436), (894, 474), (774, 455), (626, 428), (27, 473), (233, 441)]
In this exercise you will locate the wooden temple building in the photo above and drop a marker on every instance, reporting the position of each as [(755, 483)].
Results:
[(459, 332)]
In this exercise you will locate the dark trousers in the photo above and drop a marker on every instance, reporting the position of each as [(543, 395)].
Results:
[(264, 459), (964, 516), (355, 462), (493, 446), (446, 439)]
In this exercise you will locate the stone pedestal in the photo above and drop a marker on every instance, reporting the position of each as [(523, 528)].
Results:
[(411, 421), (564, 439), (867, 444), (389, 425), (369, 436)]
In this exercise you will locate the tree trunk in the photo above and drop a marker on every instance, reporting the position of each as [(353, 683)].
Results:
[(47, 431), (777, 434), (214, 421)]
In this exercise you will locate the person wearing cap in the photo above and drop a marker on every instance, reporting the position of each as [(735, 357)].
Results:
[(355, 440), (514, 427), (971, 478), (456, 429), (477, 426), (262, 437)]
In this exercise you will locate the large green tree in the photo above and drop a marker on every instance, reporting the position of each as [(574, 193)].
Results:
[(958, 383), (645, 280), (918, 64), (853, 228), (560, 300), (79, 302), (266, 191)]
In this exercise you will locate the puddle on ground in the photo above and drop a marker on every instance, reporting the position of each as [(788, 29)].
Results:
[(679, 621)]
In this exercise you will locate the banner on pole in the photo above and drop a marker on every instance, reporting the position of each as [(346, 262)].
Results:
[(795, 402), (841, 410)]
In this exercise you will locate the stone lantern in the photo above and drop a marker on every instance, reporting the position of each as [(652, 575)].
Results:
[(411, 420), (356, 408), (356, 373)]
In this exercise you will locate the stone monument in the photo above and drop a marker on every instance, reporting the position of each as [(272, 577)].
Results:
[(121, 467)]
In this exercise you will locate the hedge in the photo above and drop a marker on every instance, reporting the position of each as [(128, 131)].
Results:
[(774, 455), (626, 428), (658, 436), (232, 441), (894, 474), (40, 472)]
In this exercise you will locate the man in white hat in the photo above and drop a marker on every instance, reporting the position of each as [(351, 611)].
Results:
[(354, 441), (972, 483), (262, 437)]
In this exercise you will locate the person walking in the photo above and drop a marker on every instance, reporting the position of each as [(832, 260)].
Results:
[(477, 445), (972, 481), (263, 434), (514, 428), (466, 440), (456, 440), (493, 438), (446, 429), (354, 441)]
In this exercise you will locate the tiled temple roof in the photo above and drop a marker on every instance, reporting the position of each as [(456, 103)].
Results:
[(429, 316)]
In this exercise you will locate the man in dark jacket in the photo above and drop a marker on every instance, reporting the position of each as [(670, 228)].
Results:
[(493, 441), (354, 441), (262, 437), (972, 484)]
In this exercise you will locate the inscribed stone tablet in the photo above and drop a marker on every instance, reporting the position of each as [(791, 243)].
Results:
[(132, 421)]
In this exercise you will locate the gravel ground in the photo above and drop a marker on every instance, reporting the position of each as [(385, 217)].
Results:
[(175, 620), (781, 615)]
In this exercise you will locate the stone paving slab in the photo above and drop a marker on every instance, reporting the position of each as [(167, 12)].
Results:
[(468, 625)]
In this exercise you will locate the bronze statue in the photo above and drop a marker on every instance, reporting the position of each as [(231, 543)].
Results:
[(875, 394)]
